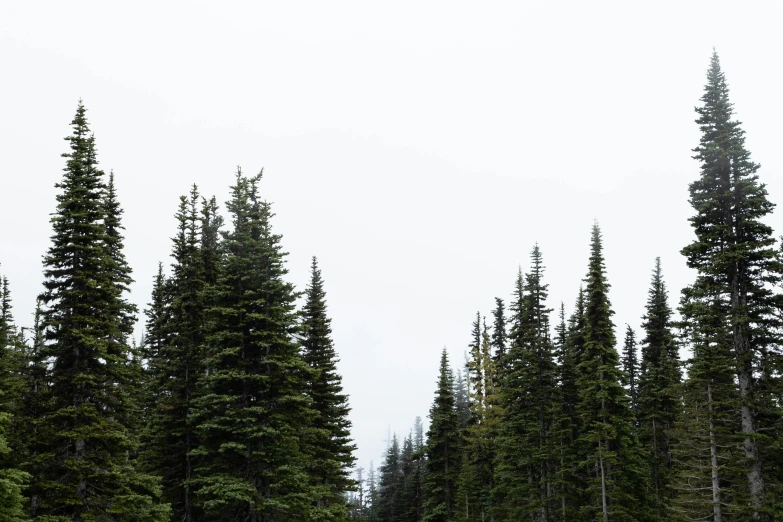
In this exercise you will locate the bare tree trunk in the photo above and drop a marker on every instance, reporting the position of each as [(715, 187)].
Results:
[(716, 507), (603, 484)]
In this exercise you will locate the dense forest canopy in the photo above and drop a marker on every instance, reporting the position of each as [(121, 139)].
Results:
[(230, 406)]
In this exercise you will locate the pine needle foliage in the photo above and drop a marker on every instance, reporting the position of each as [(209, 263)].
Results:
[(329, 440), (85, 472), (253, 411), (615, 480)]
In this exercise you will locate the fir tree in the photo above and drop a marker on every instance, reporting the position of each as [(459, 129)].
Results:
[(372, 495), (330, 445), (12, 480), (86, 472), (177, 324), (526, 469), (615, 485), (659, 393), (708, 466), (630, 361), (476, 470), (389, 508), (443, 444), (254, 411), (568, 343), (462, 400), (736, 260)]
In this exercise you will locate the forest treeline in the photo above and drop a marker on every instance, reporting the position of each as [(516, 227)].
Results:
[(550, 421), (230, 408)]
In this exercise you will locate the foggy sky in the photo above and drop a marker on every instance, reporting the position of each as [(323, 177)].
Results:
[(419, 149)]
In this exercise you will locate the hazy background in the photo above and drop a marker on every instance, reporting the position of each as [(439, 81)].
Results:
[(419, 149)]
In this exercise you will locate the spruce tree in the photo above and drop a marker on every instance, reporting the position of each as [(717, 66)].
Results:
[(330, 441), (735, 256), (372, 495), (12, 479), (568, 343), (499, 338), (86, 472), (252, 417), (630, 362), (526, 469), (177, 324), (612, 467), (708, 467), (388, 507), (443, 445), (474, 496), (659, 394), (462, 399)]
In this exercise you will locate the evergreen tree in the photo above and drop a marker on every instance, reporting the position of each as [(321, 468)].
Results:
[(415, 482), (406, 488), (630, 361), (27, 441), (615, 485), (86, 472), (330, 443), (177, 324), (12, 480), (568, 343), (252, 416), (526, 469), (734, 253), (708, 467), (443, 445), (372, 495), (476, 470), (462, 400), (389, 508), (659, 393)]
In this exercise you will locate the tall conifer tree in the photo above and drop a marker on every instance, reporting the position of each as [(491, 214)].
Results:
[(612, 466), (630, 361), (659, 393), (526, 469), (86, 472), (443, 446), (254, 411), (734, 253), (178, 325), (330, 441)]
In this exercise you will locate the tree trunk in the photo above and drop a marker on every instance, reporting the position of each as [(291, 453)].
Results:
[(716, 507)]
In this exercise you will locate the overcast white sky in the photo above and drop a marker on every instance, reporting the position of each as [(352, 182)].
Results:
[(419, 149)]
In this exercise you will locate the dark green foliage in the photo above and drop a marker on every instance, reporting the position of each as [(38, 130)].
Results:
[(630, 362), (329, 440), (443, 446), (474, 495), (462, 400), (84, 471), (569, 343), (659, 391), (499, 339), (708, 469), (12, 480), (389, 505), (612, 466), (176, 330), (526, 458), (737, 263), (253, 411)]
